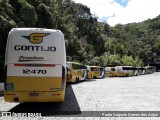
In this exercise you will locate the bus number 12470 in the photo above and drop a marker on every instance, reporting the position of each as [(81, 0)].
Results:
[(28, 71)]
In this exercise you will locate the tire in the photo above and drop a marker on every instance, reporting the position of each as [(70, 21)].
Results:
[(94, 77), (77, 79), (112, 75)]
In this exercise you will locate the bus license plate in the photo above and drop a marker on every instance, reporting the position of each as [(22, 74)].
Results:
[(33, 94)]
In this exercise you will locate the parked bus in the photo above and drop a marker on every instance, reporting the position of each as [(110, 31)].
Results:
[(35, 65), (150, 69), (76, 72), (142, 70), (122, 71), (133, 71), (110, 71), (95, 72)]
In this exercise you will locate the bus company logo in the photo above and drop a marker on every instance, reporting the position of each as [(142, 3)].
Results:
[(6, 114), (36, 38)]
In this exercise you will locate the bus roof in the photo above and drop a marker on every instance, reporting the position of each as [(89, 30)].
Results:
[(33, 29), (94, 66), (73, 62)]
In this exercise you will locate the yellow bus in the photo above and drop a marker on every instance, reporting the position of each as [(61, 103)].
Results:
[(121, 71), (95, 72), (35, 65), (142, 70), (110, 71), (150, 69), (76, 72), (132, 70)]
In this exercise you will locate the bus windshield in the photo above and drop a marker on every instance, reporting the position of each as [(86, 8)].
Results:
[(129, 68), (95, 69)]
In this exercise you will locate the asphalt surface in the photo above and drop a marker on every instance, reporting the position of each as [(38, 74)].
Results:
[(138, 93)]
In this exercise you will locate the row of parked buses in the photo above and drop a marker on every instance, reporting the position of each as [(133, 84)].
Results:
[(77, 71), (128, 71)]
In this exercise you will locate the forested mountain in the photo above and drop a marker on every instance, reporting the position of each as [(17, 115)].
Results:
[(87, 40)]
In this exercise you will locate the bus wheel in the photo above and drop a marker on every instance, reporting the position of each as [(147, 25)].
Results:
[(77, 79), (112, 75)]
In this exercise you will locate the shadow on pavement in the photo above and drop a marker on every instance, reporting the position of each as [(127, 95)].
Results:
[(82, 81), (90, 80), (68, 107)]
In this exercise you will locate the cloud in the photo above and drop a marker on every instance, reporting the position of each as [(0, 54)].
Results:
[(136, 11), (99, 7), (114, 13), (122, 2)]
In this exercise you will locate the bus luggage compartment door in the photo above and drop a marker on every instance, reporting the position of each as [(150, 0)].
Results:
[(33, 77)]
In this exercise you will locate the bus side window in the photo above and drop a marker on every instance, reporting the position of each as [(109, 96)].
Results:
[(112, 69), (68, 69)]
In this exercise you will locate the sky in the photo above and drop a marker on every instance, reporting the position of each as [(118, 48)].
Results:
[(123, 11)]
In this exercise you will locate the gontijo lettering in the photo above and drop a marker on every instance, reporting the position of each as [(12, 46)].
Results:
[(34, 48)]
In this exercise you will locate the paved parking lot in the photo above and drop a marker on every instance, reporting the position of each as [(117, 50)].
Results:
[(139, 93), (122, 94)]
